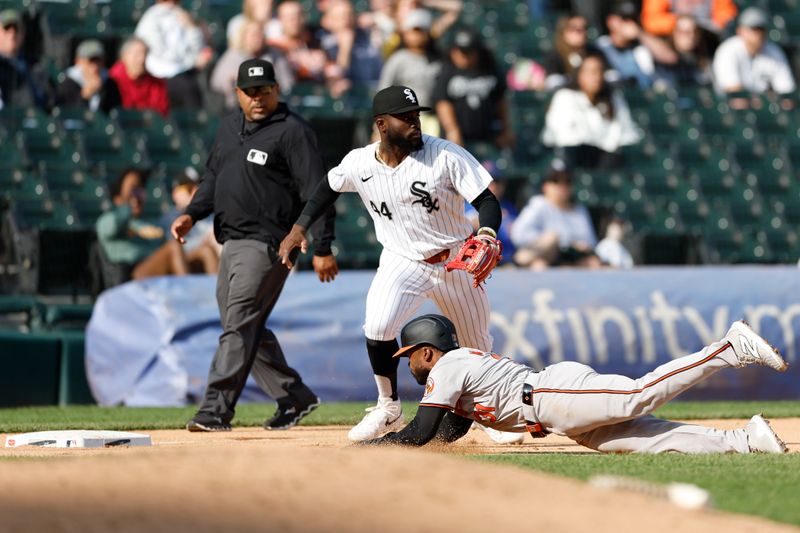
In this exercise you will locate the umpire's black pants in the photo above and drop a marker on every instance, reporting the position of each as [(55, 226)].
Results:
[(249, 283)]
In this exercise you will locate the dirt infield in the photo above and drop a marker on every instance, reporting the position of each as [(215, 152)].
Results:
[(310, 479)]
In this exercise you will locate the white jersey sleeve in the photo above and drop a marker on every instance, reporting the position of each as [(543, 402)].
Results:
[(340, 177), (467, 175)]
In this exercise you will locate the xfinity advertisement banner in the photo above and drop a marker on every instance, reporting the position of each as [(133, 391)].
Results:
[(151, 342)]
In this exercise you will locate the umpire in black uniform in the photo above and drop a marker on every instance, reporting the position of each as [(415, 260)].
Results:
[(264, 165)]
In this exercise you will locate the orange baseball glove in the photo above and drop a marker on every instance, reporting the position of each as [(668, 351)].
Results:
[(477, 256)]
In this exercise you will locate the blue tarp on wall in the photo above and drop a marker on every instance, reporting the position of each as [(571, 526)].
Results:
[(151, 342)]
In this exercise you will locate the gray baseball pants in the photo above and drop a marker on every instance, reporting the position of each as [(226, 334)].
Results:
[(611, 413), (249, 283)]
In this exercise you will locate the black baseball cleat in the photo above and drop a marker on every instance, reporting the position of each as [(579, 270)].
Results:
[(288, 416), (206, 422)]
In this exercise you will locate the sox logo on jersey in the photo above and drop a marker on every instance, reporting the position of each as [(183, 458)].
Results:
[(418, 190)]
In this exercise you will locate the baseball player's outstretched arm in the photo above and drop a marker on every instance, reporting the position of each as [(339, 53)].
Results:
[(420, 431), (322, 199)]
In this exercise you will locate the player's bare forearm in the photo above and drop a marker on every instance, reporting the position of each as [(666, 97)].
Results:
[(295, 239)]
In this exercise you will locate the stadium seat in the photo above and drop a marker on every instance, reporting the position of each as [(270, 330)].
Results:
[(74, 17), (197, 124), (19, 313), (745, 206), (691, 208), (782, 242), (47, 143), (89, 201), (43, 213), (124, 15), (63, 176), (106, 147)]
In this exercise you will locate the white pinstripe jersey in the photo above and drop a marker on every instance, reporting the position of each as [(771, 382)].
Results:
[(482, 386), (418, 206)]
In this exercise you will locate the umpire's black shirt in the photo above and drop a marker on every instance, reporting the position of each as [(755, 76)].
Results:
[(258, 178)]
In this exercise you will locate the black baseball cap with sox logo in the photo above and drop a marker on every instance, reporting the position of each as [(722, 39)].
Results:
[(396, 100)]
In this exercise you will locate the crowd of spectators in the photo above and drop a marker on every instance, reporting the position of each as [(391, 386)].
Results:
[(169, 63)]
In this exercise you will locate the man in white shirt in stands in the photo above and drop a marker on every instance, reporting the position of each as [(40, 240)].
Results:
[(748, 62)]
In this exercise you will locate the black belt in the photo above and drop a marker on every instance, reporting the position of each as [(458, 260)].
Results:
[(535, 428)]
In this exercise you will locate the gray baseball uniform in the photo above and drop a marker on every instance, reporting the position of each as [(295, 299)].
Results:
[(608, 413)]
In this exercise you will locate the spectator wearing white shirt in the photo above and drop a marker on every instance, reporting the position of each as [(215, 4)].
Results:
[(589, 120), (747, 62), (552, 230), (177, 51)]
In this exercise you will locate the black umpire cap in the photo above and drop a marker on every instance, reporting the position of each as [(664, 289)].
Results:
[(255, 73), (434, 330), (396, 100)]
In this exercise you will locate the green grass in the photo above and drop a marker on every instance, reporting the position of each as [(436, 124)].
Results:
[(757, 484), (27, 419)]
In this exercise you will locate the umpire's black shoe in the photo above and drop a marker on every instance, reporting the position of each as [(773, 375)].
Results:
[(206, 422), (288, 416)]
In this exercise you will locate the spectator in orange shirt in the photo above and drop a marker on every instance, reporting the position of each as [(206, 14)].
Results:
[(138, 88), (659, 16)]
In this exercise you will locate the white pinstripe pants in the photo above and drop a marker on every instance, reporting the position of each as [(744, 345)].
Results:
[(401, 285)]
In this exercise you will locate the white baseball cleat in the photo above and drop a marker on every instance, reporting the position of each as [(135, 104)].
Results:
[(762, 438), (382, 418), (750, 348), (503, 437)]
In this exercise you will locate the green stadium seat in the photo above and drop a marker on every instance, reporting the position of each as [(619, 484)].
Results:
[(73, 17), (108, 148), (782, 242), (663, 120), (43, 213), (198, 124), (19, 313), (90, 201), (27, 185), (507, 17), (124, 15), (657, 183), (16, 118), (721, 246), (691, 209), (11, 179), (787, 207), (745, 207), (48, 144), (63, 176)]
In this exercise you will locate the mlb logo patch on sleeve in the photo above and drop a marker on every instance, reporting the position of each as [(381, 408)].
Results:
[(257, 156)]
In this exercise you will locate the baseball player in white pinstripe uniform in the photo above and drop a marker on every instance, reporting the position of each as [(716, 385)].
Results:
[(605, 412), (414, 187)]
